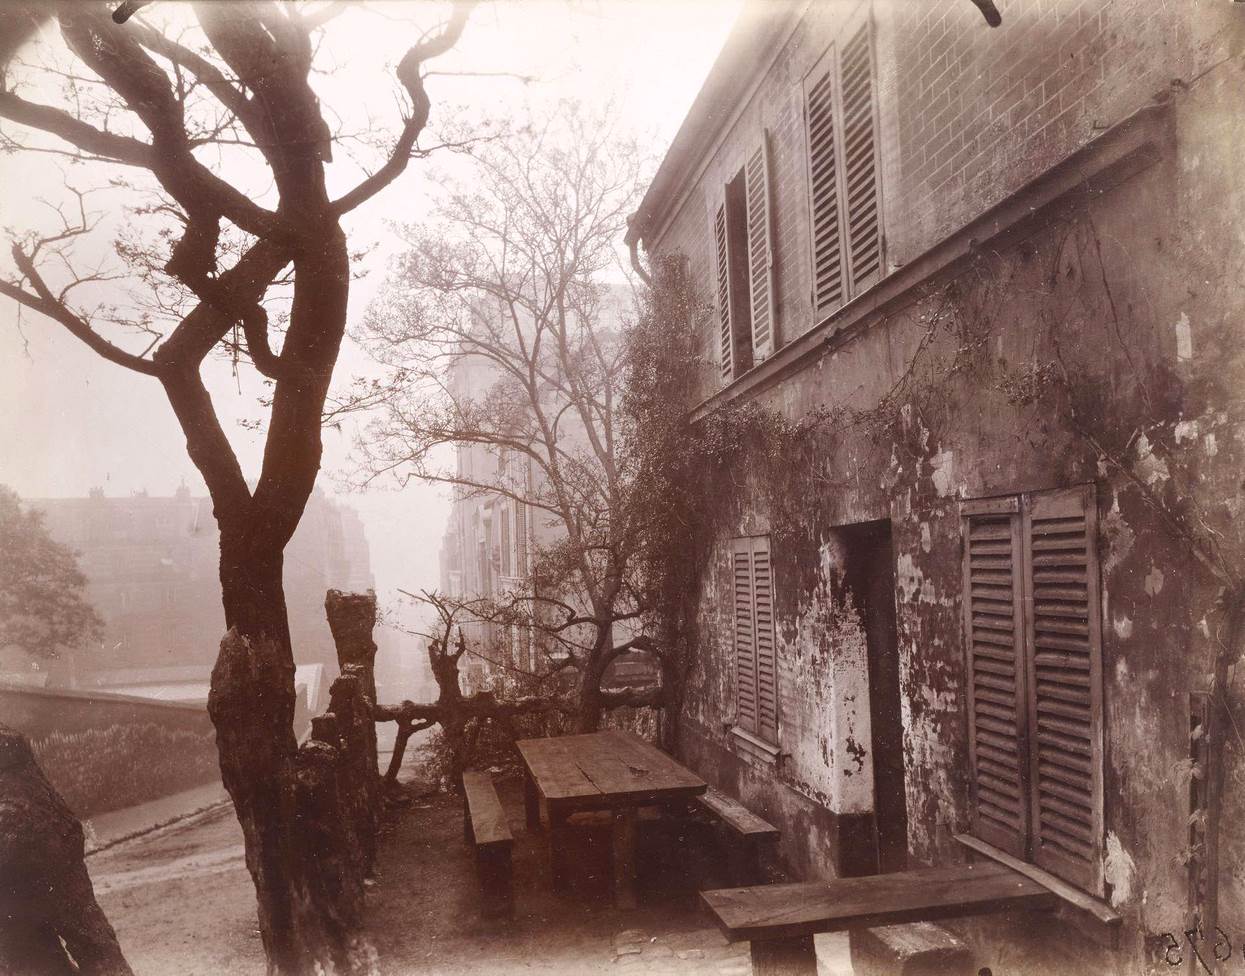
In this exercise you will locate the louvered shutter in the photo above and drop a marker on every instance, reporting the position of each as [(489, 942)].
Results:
[(995, 673), (760, 250), (859, 161), (726, 331), (763, 616), (745, 641), (819, 108), (1064, 645)]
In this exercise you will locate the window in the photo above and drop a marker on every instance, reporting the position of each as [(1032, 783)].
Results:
[(844, 198), (756, 678), (520, 538), (1033, 644), (505, 542), (745, 265)]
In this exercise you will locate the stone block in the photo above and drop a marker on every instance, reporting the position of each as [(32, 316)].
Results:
[(914, 949)]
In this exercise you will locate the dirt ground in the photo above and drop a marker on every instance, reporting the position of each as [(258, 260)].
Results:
[(182, 903)]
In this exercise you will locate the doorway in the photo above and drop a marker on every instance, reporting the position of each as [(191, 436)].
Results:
[(869, 576)]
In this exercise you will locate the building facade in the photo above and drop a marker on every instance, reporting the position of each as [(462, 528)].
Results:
[(996, 264), (152, 569)]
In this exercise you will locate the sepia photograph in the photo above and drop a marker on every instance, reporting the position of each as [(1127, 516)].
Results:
[(622, 487)]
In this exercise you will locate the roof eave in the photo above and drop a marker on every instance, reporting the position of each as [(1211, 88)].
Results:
[(757, 27)]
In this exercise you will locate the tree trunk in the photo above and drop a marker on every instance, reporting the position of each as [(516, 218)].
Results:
[(47, 903), (591, 701), (251, 703)]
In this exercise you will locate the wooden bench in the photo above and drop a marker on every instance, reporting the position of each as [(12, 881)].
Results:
[(780, 920), (745, 831), (485, 826)]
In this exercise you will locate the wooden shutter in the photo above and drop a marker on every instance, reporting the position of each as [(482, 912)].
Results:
[(745, 639), (763, 616), (726, 329), (1064, 648), (760, 250), (823, 173), (995, 673), (860, 166)]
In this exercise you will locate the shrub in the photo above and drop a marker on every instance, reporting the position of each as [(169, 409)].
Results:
[(106, 769)]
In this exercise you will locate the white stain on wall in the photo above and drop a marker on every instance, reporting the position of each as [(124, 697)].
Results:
[(1184, 338), (1118, 870), (1123, 627)]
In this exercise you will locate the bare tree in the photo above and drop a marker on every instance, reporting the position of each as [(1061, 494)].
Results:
[(501, 339), (155, 100), (460, 716)]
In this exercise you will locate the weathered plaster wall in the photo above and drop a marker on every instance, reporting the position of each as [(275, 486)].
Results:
[(1140, 280)]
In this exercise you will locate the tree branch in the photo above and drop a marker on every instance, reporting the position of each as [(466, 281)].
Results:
[(409, 75), (45, 302)]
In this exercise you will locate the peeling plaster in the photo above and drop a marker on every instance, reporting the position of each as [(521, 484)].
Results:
[(829, 692), (1154, 581), (1123, 626), (1118, 870), (1184, 338), (1119, 536), (944, 471), (926, 543), (1186, 430), (1152, 469)]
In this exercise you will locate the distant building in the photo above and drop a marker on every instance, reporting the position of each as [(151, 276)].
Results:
[(152, 573)]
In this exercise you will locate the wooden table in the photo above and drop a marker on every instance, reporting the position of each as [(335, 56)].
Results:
[(609, 770)]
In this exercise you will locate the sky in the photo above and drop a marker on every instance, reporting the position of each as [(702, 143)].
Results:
[(70, 421)]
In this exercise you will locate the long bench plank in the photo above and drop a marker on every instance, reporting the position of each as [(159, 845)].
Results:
[(789, 911), (489, 824), (735, 815)]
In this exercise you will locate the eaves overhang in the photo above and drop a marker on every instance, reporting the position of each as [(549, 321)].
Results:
[(760, 26)]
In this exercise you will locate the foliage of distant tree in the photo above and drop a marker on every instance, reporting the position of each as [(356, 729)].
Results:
[(42, 606)]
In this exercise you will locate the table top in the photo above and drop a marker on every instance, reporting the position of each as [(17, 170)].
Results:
[(605, 769), (789, 910)]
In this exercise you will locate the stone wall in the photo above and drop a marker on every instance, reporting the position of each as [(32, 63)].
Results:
[(103, 752)]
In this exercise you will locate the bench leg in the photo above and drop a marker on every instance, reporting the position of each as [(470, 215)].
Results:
[(559, 852), (531, 802), (495, 869), (624, 838), (784, 957)]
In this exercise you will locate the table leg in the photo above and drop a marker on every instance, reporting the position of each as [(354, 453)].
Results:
[(784, 957), (624, 857), (531, 802), (559, 848)]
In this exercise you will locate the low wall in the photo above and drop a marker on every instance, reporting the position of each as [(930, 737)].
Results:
[(103, 752), (38, 712)]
